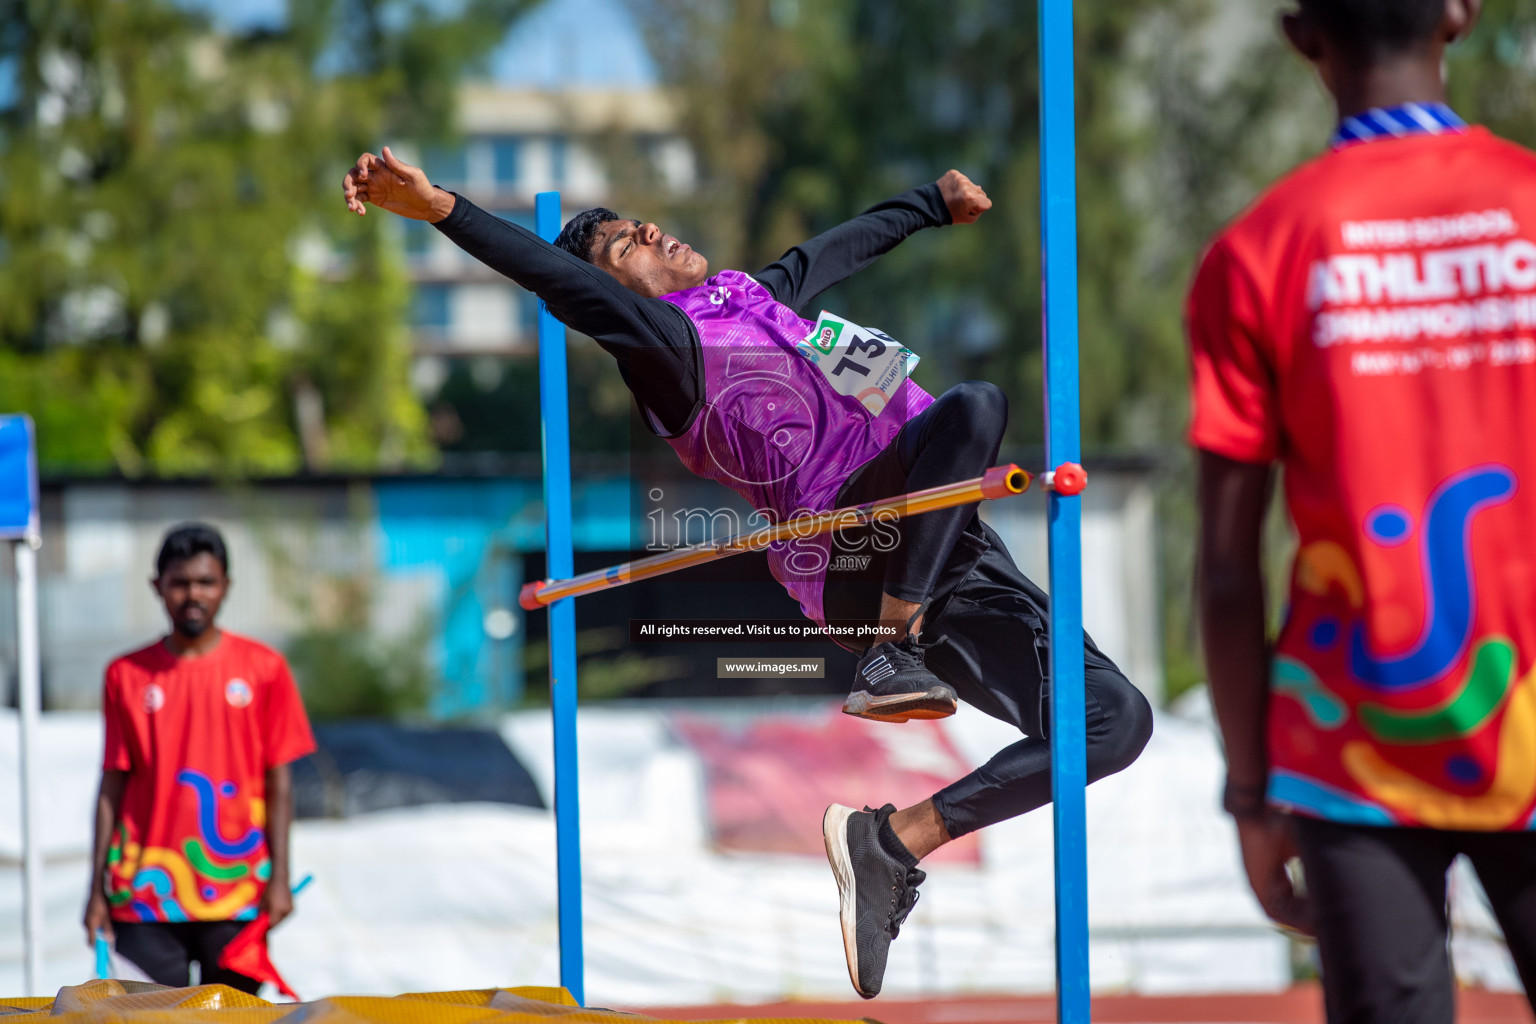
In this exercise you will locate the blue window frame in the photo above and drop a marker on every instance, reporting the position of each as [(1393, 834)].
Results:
[(557, 158), (418, 237), (431, 306), (446, 166), (522, 218), (527, 316), (506, 155)]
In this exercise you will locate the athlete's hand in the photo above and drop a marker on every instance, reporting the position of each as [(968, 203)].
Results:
[(98, 917), (965, 198), (394, 185), (277, 901), (1267, 847)]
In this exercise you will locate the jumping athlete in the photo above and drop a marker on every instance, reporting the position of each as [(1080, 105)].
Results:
[(798, 415)]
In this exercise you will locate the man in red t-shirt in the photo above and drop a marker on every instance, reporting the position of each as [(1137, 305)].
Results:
[(196, 793), (1370, 324)]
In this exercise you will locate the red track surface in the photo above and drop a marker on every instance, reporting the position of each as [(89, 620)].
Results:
[(1300, 1005)]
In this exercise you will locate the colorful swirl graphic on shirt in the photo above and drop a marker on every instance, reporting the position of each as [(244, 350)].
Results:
[(1437, 731), (209, 876)]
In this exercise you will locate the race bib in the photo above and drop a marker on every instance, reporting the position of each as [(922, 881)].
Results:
[(865, 364)]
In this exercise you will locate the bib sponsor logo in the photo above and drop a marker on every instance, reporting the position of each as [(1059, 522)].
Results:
[(154, 698), (825, 336), (238, 693)]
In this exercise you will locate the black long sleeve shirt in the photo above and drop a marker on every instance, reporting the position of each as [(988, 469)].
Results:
[(653, 341)]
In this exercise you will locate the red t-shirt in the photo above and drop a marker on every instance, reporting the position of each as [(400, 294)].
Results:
[(1371, 324), (196, 737)]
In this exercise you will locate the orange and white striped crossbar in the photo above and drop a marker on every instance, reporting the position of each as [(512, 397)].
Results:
[(997, 482)]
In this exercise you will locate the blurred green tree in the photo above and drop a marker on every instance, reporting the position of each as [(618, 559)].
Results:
[(180, 289), (1493, 72), (347, 670)]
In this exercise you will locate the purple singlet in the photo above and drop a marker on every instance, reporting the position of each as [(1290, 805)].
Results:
[(772, 427)]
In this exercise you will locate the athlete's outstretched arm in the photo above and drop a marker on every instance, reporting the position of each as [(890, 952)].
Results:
[(652, 339), (812, 267), (582, 296)]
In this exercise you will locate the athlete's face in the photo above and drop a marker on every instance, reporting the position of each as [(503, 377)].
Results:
[(645, 260), (193, 589)]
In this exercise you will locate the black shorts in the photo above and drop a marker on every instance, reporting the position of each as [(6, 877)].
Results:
[(165, 951)]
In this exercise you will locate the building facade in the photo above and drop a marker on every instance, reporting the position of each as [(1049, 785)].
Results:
[(516, 143)]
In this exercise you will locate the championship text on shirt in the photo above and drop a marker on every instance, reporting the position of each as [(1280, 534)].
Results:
[(1417, 294)]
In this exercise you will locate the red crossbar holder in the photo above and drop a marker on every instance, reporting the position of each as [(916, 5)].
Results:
[(1066, 479), (527, 597)]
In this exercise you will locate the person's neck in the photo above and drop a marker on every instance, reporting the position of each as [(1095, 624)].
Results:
[(1415, 79), (184, 646)]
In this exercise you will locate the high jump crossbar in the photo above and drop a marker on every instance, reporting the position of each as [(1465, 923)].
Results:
[(1069, 775), (997, 482)]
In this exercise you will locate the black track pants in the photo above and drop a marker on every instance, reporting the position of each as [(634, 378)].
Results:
[(1379, 897), (956, 438), (996, 654), (994, 619)]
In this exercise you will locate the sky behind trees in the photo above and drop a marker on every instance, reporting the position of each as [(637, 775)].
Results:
[(590, 42)]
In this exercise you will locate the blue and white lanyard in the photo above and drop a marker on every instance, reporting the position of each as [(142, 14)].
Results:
[(1394, 122)]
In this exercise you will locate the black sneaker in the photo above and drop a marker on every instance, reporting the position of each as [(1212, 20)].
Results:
[(892, 684), (876, 891)]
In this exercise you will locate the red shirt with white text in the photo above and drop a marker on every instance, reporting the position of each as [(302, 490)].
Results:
[(196, 736), (1370, 323)]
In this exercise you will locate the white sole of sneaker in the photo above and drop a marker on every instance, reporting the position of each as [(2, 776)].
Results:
[(936, 702), (834, 834)]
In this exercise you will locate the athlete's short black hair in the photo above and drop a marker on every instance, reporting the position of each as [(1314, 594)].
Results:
[(576, 237), (1372, 29), (188, 541)]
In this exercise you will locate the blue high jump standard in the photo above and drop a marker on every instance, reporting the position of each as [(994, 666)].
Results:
[(1069, 744), (555, 418)]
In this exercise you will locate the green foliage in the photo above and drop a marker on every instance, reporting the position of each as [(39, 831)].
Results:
[(607, 667), (343, 675), (180, 290), (1220, 135), (1493, 71), (490, 405), (345, 670), (346, 665)]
